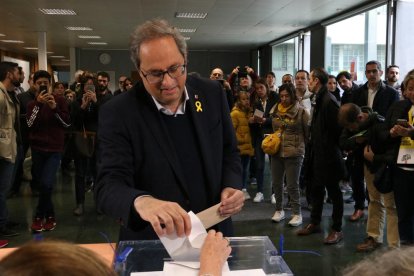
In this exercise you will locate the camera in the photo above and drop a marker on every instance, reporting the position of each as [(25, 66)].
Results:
[(242, 72)]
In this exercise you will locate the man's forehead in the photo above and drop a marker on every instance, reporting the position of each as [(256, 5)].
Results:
[(217, 71)]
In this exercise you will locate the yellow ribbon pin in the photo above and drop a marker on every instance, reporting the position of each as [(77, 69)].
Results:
[(198, 105)]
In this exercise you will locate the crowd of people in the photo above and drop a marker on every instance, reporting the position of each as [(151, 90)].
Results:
[(207, 138)]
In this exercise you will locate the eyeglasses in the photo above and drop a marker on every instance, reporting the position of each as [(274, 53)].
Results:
[(158, 76)]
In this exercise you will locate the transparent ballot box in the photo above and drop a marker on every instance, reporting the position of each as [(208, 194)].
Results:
[(247, 253)]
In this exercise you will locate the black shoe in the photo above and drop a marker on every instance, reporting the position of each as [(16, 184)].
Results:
[(7, 232)]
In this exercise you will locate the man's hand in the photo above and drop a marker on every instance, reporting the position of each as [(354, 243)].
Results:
[(165, 217), (232, 201), (368, 154), (399, 130)]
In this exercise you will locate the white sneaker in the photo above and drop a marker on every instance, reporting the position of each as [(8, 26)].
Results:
[(259, 197), (296, 220), (273, 199), (278, 216), (246, 194)]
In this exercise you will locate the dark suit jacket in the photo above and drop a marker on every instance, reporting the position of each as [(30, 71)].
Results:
[(384, 98), (136, 155)]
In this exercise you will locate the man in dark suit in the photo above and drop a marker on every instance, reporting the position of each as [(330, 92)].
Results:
[(326, 163), (167, 146)]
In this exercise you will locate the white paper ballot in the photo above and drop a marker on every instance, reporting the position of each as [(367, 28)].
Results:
[(186, 248), (258, 113), (180, 268)]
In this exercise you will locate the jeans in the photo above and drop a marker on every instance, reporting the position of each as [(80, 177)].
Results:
[(45, 166), (245, 160), (289, 166), (404, 200), (6, 175), (260, 162)]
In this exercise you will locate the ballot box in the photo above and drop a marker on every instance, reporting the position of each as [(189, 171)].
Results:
[(253, 252)]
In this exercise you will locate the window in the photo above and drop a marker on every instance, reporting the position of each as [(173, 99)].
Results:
[(354, 41)]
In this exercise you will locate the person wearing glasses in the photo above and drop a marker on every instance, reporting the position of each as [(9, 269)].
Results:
[(167, 146)]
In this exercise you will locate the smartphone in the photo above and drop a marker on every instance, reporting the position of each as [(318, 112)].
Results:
[(402, 122), (89, 87), (43, 89)]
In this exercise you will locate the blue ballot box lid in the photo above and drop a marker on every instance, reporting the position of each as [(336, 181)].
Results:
[(253, 252)]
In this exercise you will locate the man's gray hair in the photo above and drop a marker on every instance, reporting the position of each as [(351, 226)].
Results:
[(152, 29)]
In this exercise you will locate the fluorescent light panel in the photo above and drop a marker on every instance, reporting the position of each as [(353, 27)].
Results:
[(31, 48), (74, 28), (187, 38), (57, 11), (97, 43), (66, 60), (2, 35), (199, 15), (187, 30), (11, 41), (89, 36), (57, 56)]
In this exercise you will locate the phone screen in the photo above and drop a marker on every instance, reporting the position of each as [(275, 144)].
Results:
[(402, 122), (90, 87), (43, 89)]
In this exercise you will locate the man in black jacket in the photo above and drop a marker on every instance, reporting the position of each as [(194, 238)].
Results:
[(167, 146), (326, 163)]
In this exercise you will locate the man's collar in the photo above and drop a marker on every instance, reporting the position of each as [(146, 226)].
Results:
[(181, 107)]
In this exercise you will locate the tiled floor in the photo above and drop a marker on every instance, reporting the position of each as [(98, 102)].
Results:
[(254, 220)]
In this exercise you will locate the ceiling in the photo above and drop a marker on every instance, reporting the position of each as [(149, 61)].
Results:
[(230, 24)]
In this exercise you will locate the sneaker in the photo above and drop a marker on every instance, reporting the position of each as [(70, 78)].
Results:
[(296, 220), (50, 224), (246, 194), (7, 232), (273, 199), (278, 216), (3, 243), (259, 197), (37, 225), (253, 181)]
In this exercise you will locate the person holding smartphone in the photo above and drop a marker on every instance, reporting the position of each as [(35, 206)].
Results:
[(47, 117)]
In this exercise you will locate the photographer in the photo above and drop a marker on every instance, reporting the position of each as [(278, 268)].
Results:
[(217, 74), (241, 79)]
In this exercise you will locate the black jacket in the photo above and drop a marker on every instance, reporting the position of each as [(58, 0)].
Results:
[(384, 98), (136, 155), (326, 156)]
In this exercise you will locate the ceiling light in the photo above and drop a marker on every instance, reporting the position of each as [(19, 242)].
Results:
[(200, 15), (31, 48), (57, 56), (57, 11), (50, 53), (2, 35), (97, 43), (89, 36), (187, 38), (72, 28), (11, 41), (66, 60), (187, 30)]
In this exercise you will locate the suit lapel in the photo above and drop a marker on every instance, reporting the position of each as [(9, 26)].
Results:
[(197, 107), (159, 131)]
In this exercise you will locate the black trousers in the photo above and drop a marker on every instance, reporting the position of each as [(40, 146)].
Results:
[(357, 178), (320, 181)]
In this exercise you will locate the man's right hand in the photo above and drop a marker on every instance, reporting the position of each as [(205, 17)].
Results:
[(165, 217)]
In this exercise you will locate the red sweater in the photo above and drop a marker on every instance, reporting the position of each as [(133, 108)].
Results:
[(46, 126)]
